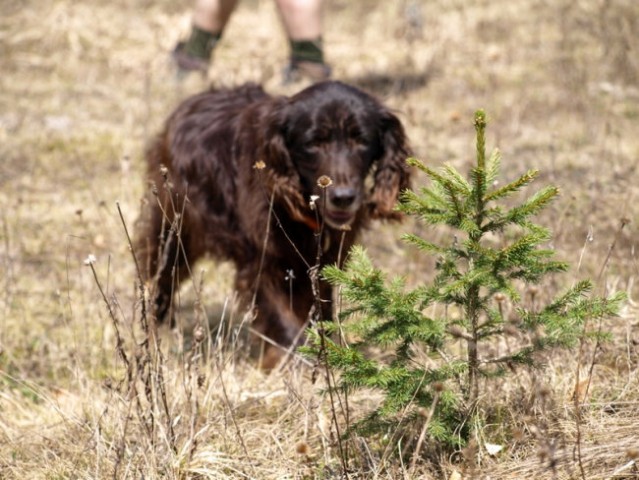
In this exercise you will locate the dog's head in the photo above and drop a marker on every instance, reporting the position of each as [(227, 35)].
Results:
[(335, 131)]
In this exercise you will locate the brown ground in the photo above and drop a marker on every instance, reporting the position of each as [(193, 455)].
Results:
[(84, 85)]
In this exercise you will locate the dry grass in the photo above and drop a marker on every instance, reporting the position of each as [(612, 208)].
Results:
[(84, 85)]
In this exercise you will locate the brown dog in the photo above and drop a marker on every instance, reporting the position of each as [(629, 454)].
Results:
[(236, 174)]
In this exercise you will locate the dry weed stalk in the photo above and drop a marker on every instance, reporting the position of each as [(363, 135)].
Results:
[(581, 389), (145, 383), (175, 233)]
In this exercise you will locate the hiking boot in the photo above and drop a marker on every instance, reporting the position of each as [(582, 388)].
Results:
[(313, 71), (188, 63)]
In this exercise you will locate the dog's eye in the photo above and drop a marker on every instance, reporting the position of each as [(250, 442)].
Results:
[(356, 135), (313, 143), (359, 139)]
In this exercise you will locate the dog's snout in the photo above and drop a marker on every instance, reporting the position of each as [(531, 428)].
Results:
[(343, 197)]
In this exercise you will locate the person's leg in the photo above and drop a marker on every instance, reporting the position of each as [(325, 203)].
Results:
[(302, 18), (209, 19), (302, 21), (213, 15)]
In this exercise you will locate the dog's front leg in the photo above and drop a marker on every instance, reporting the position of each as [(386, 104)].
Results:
[(280, 318)]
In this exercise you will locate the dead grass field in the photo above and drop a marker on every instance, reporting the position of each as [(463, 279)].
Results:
[(83, 85)]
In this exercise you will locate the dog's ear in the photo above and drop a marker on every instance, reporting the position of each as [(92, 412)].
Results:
[(392, 174), (274, 151), (281, 176)]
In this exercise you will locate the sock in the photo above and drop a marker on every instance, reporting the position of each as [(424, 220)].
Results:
[(307, 51), (201, 43)]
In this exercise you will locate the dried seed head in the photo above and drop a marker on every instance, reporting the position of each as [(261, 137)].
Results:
[(311, 202), (90, 260), (500, 297), (198, 334), (259, 165), (324, 181), (302, 448), (201, 380), (164, 171), (632, 453), (439, 387)]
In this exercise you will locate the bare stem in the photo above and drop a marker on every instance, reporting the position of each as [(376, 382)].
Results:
[(422, 435)]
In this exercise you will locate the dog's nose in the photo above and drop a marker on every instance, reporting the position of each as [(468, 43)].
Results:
[(343, 197)]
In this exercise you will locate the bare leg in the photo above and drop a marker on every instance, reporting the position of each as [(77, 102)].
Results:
[(213, 15), (302, 19)]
